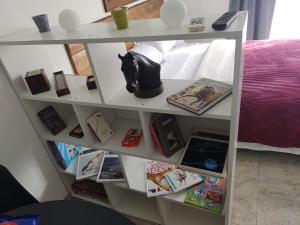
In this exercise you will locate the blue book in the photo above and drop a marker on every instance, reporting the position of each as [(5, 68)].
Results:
[(68, 152)]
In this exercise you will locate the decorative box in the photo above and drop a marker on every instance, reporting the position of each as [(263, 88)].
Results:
[(37, 81)]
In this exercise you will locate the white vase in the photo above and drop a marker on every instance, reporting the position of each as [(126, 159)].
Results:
[(69, 20), (173, 12)]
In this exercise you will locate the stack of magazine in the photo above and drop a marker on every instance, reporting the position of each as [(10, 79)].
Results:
[(202, 190), (106, 166), (103, 165)]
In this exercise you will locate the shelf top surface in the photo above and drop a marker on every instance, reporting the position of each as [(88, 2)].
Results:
[(139, 30), (123, 99)]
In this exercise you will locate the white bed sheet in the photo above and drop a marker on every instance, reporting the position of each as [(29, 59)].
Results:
[(218, 61), (183, 61)]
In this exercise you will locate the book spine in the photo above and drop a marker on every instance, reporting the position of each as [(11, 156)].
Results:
[(155, 138), (59, 159)]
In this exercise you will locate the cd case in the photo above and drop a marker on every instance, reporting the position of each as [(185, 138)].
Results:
[(89, 162), (111, 169)]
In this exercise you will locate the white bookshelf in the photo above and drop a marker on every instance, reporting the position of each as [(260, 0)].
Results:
[(123, 111)]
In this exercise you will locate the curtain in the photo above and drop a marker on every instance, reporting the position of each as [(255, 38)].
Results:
[(260, 15)]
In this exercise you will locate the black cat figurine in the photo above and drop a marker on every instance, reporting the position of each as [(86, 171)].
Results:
[(142, 75)]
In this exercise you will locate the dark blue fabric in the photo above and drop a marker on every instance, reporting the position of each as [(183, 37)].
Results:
[(260, 15)]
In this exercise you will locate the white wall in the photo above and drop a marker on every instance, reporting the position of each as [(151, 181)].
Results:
[(21, 151)]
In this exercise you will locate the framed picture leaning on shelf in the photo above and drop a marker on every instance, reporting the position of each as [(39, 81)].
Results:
[(111, 4)]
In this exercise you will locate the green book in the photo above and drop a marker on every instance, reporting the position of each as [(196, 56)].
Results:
[(208, 195)]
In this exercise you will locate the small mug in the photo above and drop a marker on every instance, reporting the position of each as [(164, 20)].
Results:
[(120, 16), (42, 22)]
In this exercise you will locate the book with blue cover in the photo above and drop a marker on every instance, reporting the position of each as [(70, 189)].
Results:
[(68, 152)]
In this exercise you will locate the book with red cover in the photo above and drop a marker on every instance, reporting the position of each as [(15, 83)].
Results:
[(155, 138)]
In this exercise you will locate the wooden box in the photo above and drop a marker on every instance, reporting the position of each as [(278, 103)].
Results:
[(91, 83), (60, 84), (37, 81)]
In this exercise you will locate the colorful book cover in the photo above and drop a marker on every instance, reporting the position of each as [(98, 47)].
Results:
[(69, 152), (208, 195), (180, 179), (201, 95), (89, 162), (155, 178)]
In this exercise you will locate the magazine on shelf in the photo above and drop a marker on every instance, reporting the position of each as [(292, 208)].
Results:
[(201, 95), (65, 154), (208, 195), (156, 182), (111, 169), (89, 162), (181, 179)]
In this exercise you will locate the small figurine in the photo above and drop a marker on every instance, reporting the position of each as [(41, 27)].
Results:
[(142, 75)]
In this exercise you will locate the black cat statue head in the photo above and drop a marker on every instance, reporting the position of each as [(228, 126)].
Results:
[(142, 75)]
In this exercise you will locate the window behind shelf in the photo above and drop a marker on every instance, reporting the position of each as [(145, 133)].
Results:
[(76, 52), (285, 20)]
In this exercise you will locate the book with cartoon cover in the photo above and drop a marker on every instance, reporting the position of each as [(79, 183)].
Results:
[(201, 95), (181, 179), (208, 194), (156, 183)]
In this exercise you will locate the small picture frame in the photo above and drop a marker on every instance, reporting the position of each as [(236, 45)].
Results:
[(111, 169), (89, 162), (109, 5)]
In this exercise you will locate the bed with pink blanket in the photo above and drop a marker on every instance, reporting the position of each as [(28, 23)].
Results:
[(270, 104)]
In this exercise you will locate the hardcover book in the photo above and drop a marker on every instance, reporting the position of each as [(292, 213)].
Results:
[(166, 129), (180, 179), (89, 162), (64, 153), (111, 169), (52, 120), (156, 183), (201, 95), (208, 195)]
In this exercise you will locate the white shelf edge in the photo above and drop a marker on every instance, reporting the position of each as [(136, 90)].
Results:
[(138, 31)]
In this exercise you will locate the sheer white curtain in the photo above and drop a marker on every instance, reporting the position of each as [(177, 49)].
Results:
[(286, 18)]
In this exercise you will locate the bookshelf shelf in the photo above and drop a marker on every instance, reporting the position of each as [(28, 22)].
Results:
[(79, 93), (123, 111), (159, 104)]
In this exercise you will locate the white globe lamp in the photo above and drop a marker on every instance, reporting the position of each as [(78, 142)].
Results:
[(173, 12), (69, 20)]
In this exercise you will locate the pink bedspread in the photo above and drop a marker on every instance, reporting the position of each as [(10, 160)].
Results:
[(270, 105)]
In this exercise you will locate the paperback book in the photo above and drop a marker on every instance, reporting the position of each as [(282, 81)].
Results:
[(89, 162), (110, 169), (201, 95), (64, 153), (156, 182), (180, 179), (208, 195)]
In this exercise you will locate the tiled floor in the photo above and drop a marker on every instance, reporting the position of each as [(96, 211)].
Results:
[(267, 189)]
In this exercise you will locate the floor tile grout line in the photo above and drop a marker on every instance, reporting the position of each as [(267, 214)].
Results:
[(258, 185)]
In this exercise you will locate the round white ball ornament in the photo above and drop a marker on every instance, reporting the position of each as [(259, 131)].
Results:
[(69, 20), (173, 12)]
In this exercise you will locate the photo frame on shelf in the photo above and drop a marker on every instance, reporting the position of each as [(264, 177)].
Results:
[(112, 4), (111, 169)]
